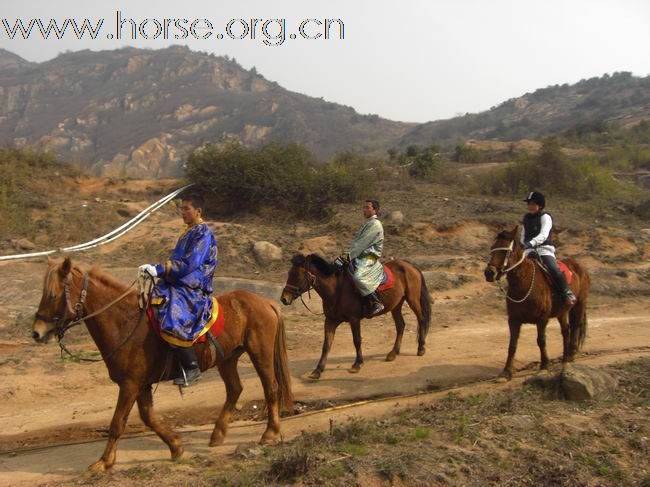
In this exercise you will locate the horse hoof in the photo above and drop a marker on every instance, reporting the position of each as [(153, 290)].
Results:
[(391, 356), (177, 453), (99, 466), (421, 351), (270, 438), (504, 376), (355, 369), (315, 375), (217, 439)]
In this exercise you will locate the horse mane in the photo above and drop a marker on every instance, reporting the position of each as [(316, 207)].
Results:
[(324, 267), (103, 278)]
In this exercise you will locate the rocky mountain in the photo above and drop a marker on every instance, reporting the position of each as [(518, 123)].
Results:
[(620, 98), (139, 112)]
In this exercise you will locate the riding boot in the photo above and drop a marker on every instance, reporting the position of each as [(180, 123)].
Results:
[(560, 279), (188, 365), (375, 306)]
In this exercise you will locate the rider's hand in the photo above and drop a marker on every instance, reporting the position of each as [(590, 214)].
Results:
[(148, 269)]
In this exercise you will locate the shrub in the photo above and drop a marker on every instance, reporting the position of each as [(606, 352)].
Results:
[(467, 154), (18, 170), (284, 177), (554, 173)]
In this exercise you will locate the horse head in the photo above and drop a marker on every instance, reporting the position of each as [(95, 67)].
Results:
[(55, 307), (500, 252), (305, 271)]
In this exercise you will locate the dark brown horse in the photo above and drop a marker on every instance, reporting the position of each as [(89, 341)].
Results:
[(135, 356), (531, 299), (341, 302)]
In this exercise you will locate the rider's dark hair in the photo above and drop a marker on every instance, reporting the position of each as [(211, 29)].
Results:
[(374, 203), (196, 198)]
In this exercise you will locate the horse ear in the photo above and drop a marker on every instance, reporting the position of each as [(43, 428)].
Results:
[(515, 232), (65, 268), (49, 260), (559, 230)]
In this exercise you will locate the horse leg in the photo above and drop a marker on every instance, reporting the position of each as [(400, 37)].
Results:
[(399, 328), (128, 393), (330, 330), (230, 376), (150, 419), (355, 325), (414, 304), (541, 343), (566, 335), (515, 328), (263, 362)]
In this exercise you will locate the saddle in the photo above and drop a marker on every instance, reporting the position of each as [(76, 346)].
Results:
[(210, 331), (388, 281), (568, 274)]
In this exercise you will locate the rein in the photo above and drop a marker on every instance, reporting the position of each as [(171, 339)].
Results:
[(310, 281), (62, 327), (505, 269)]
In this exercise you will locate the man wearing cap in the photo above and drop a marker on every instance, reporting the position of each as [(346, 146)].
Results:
[(538, 237)]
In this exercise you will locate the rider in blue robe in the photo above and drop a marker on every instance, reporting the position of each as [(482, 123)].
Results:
[(182, 295), (185, 284)]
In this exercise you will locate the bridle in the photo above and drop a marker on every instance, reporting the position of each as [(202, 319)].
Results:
[(62, 322), (505, 269), (508, 250), (306, 285)]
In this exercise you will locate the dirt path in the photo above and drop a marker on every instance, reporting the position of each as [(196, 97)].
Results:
[(45, 401), (56, 463)]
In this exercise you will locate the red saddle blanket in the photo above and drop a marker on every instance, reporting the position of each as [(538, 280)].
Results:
[(566, 271), (389, 280), (215, 326)]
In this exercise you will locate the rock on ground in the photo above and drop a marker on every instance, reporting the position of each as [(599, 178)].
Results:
[(266, 252)]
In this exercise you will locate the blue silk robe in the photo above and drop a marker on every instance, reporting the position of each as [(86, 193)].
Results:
[(185, 284)]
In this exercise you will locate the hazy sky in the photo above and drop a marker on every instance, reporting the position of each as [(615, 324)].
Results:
[(404, 60)]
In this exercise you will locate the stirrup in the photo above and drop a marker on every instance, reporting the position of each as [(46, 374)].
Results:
[(187, 378), (376, 308), (570, 298)]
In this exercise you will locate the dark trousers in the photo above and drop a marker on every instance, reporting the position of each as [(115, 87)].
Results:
[(556, 273), (186, 356)]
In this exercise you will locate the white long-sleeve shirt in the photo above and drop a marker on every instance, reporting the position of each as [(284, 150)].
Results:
[(546, 225)]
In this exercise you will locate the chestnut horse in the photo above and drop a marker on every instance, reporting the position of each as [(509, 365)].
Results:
[(531, 298), (136, 356), (342, 302)]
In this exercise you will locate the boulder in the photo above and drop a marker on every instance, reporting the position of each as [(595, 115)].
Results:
[(580, 382), (395, 217), (323, 246), (23, 244), (266, 252)]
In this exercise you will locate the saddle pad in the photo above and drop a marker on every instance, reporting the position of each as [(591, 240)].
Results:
[(215, 325), (566, 271), (388, 281)]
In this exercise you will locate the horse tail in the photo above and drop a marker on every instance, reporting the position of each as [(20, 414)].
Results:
[(578, 314), (281, 365), (425, 306)]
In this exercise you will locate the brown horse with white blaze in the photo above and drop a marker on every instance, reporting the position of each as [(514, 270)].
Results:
[(136, 356), (531, 299), (342, 302)]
